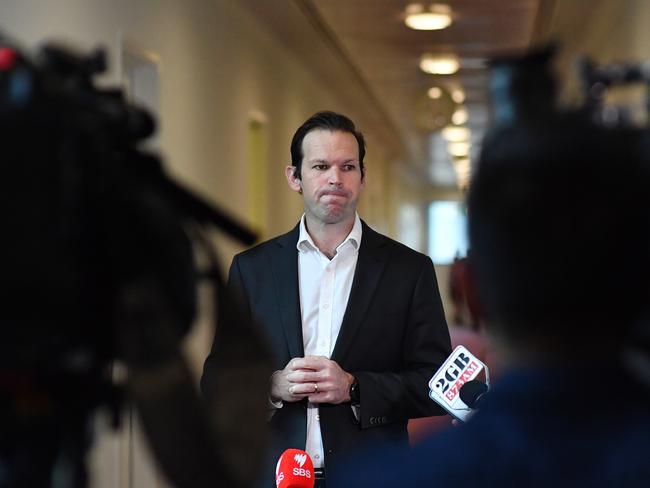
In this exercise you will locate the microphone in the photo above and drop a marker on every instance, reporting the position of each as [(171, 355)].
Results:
[(459, 369), (473, 393), (294, 470)]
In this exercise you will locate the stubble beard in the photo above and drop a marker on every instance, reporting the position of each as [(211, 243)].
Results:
[(335, 214), (331, 214)]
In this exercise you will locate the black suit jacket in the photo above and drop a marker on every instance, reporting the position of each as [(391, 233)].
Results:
[(392, 339)]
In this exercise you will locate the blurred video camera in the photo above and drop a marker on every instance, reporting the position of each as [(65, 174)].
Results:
[(98, 265), (572, 182)]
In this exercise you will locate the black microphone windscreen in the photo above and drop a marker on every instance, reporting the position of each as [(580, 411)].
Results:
[(472, 392)]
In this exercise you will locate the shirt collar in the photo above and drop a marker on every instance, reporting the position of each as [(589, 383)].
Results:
[(305, 242)]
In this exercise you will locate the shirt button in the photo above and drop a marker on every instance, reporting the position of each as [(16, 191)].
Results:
[(326, 306), (316, 456), (318, 417)]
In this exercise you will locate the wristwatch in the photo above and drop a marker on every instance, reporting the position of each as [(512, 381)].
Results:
[(355, 395)]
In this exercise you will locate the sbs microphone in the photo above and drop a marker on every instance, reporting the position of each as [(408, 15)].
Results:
[(294, 470), (473, 393)]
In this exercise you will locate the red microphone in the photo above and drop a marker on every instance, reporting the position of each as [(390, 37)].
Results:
[(294, 470)]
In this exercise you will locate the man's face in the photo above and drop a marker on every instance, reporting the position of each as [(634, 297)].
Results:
[(331, 179)]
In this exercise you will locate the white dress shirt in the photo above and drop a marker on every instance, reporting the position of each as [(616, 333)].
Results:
[(324, 286)]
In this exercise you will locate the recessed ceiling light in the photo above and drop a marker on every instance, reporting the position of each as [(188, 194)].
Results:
[(436, 17), (454, 133), (434, 92), (439, 64), (460, 116), (459, 149), (458, 95)]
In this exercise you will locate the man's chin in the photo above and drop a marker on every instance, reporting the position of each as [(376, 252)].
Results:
[(333, 217), (332, 214)]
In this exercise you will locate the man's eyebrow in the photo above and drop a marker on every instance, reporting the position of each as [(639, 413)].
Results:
[(325, 161)]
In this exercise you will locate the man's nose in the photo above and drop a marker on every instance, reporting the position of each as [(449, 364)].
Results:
[(334, 176)]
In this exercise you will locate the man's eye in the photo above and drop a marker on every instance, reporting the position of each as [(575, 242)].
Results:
[(321, 167), (349, 167)]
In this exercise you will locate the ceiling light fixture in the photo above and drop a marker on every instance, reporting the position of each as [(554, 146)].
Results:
[(454, 133), (439, 64), (458, 95), (460, 116), (434, 92), (459, 149), (436, 17)]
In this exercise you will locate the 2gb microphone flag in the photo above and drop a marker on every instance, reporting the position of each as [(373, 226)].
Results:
[(444, 386)]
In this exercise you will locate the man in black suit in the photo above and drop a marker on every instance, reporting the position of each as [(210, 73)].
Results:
[(354, 319)]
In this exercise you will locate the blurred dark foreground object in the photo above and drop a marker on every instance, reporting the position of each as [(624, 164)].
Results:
[(567, 236), (99, 266), (559, 228)]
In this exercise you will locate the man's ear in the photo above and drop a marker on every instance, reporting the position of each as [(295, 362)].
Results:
[(295, 183)]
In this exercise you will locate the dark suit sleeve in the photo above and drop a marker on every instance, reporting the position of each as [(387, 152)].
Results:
[(234, 318), (235, 382), (236, 290), (394, 396)]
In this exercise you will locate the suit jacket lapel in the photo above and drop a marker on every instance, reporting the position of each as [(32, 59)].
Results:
[(370, 266), (284, 265)]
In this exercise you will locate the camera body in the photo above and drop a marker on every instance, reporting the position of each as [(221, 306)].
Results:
[(99, 265)]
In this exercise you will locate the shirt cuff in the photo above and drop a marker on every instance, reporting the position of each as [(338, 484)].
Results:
[(275, 405), (271, 404)]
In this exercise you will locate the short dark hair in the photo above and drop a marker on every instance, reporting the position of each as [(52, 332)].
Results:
[(558, 227), (325, 120)]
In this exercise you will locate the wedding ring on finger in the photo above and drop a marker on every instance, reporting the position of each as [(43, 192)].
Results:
[(315, 387)]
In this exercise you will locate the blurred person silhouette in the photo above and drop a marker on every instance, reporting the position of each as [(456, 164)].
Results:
[(558, 223), (354, 318), (100, 266)]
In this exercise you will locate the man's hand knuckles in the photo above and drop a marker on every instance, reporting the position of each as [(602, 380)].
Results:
[(293, 377)]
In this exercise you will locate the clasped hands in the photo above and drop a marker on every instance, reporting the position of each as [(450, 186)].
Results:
[(316, 378)]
